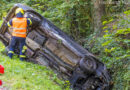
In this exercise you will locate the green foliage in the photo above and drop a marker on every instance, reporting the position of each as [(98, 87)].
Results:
[(113, 6), (114, 50), (72, 16), (105, 22)]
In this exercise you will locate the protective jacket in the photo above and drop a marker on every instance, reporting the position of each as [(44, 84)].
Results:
[(19, 27)]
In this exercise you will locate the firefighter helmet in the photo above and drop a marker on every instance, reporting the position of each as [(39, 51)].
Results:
[(19, 10)]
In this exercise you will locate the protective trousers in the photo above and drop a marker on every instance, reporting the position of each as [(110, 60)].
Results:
[(21, 43)]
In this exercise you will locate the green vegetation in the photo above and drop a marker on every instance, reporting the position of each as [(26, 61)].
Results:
[(75, 17), (25, 75), (113, 48)]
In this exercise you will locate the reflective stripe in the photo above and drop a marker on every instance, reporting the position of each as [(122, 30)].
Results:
[(18, 21), (19, 32), (24, 49), (30, 21), (8, 24), (11, 52), (19, 28), (22, 56)]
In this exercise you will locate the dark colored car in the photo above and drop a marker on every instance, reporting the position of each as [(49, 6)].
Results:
[(49, 46)]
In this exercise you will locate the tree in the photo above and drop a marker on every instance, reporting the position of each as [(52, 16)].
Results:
[(98, 11)]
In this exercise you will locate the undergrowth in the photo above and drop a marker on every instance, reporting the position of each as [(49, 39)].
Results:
[(113, 48)]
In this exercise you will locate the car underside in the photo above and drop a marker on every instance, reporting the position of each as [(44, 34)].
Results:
[(47, 45)]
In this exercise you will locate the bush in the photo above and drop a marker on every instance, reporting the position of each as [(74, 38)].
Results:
[(113, 48)]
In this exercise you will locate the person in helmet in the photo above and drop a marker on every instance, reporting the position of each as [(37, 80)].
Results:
[(19, 33)]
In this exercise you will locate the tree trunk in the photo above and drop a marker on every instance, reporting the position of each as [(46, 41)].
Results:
[(98, 11)]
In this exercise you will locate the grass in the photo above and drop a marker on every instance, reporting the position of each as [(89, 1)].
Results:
[(27, 76)]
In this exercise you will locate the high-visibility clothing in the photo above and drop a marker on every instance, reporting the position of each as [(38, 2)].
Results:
[(11, 52), (29, 22), (24, 49), (19, 27), (22, 56), (15, 41)]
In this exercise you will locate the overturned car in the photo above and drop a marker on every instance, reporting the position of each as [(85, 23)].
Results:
[(49, 46)]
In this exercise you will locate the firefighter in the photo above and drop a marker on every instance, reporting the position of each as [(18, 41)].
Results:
[(19, 33)]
